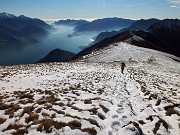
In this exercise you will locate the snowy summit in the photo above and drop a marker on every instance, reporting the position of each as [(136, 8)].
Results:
[(92, 96)]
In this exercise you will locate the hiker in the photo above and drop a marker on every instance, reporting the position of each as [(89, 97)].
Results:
[(122, 67)]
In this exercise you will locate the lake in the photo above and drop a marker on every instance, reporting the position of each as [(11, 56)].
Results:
[(57, 39)]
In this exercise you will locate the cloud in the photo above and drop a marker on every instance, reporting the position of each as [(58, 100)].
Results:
[(135, 5), (175, 2)]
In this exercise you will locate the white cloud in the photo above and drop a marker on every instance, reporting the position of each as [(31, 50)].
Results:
[(175, 1)]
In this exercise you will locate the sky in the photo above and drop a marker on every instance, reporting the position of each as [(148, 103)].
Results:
[(91, 9)]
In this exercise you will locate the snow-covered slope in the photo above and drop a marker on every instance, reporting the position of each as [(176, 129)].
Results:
[(91, 96)]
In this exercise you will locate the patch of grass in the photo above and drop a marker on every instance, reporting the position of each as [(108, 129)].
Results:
[(74, 124), (48, 106), (147, 93), (138, 128), (101, 116), (157, 125), (13, 126), (91, 131), (59, 104), (53, 115), (93, 110), (104, 108), (12, 109), (2, 120), (69, 115), (28, 110), (171, 111), (87, 101), (4, 106), (141, 122), (150, 118), (48, 124), (28, 95), (75, 108), (38, 110), (45, 114), (50, 99), (32, 117), (93, 122), (158, 102), (20, 132), (58, 111)]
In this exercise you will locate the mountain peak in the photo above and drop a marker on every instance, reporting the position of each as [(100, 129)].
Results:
[(171, 24), (6, 15)]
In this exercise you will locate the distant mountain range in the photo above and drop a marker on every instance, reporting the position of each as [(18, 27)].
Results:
[(104, 24), (138, 25), (162, 36), (71, 22), (19, 31), (57, 55)]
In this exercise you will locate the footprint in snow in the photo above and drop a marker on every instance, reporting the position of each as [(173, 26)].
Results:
[(115, 116), (120, 110), (115, 124)]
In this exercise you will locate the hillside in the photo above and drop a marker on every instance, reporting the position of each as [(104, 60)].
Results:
[(18, 31), (138, 25), (57, 55), (71, 22), (91, 96), (104, 24), (162, 36)]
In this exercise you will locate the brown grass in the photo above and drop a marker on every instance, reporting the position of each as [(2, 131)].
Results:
[(50, 99), (93, 110), (47, 106), (28, 95), (28, 110), (20, 132), (93, 122), (47, 124), (75, 108), (58, 111), (38, 110), (32, 117), (157, 125), (91, 131), (45, 114), (170, 110), (13, 126), (2, 120), (4, 106), (72, 116), (141, 122), (87, 101), (104, 108), (138, 128), (59, 104), (101, 116), (158, 102), (12, 109)]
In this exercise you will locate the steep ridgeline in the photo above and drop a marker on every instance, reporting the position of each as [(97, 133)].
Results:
[(57, 55), (71, 22), (104, 24), (159, 36), (138, 25), (19, 31)]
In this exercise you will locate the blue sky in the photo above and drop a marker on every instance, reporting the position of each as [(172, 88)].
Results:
[(57, 9)]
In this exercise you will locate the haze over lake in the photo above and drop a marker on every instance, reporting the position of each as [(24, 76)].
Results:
[(57, 39)]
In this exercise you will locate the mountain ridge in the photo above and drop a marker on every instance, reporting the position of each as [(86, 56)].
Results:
[(143, 39), (19, 31)]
